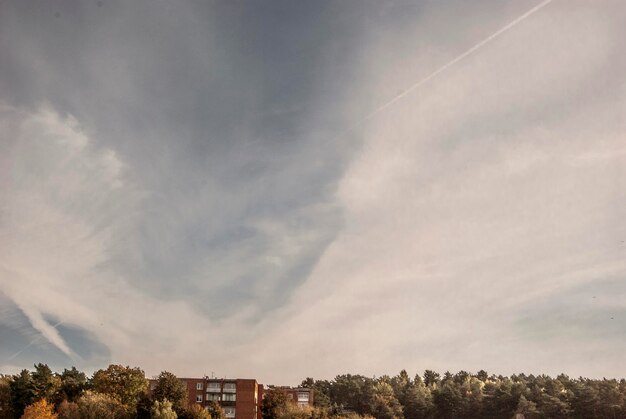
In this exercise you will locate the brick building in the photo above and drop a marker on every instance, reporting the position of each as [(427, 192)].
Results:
[(299, 395), (240, 398)]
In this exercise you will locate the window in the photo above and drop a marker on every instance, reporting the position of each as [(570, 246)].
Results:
[(229, 412), (289, 396), (213, 397), (229, 397), (213, 387), (230, 387), (199, 398), (303, 396), (198, 386)]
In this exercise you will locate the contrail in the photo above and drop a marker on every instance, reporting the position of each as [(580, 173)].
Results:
[(32, 342), (444, 67)]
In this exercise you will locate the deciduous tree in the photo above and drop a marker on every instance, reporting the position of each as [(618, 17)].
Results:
[(195, 411), (40, 410), (169, 387), (274, 401), (93, 405), (125, 384), (216, 412), (68, 410), (162, 409)]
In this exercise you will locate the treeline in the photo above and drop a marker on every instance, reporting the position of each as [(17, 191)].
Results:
[(465, 395), (117, 392)]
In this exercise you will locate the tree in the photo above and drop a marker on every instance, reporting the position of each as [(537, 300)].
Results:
[(102, 406), (195, 411), (431, 378), (585, 400), (162, 409), (68, 410), (527, 408), (401, 384), (500, 398), (611, 399), (22, 393), (448, 401), (44, 382), (353, 392), (482, 375), (125, 384), (553, 407), (274, 400), (6, 411), (419, 402), (216, 412), (321, 389), (169, 387), (40, 410), (385, 405), (144, 407), (471, 390), (73, 384)]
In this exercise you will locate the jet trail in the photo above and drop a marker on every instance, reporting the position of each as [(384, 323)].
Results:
[(443, 68), (32, 342)]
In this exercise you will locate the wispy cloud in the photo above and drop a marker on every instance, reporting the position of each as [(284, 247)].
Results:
[(184, 195), (463, 208)]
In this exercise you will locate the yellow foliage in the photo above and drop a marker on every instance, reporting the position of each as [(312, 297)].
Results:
[(40, 410)]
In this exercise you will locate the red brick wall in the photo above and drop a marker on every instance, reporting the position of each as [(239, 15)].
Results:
[(246, 405), (261, 391), (292, 394), (192, 392)]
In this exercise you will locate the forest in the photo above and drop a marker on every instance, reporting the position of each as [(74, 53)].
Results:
[(121, 392)]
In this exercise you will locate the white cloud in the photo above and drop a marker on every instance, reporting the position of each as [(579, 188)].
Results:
[(498, 184), (65, 203), (463, 208)]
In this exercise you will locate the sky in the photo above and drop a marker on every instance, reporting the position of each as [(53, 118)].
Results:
[(279, 190)]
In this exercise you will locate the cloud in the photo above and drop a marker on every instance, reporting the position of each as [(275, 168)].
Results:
[(66, 203), (57, 195), (464, 207), (73, 218), (182, 199)]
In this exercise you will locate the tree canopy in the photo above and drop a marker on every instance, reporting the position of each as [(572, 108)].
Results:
[(119, 392)]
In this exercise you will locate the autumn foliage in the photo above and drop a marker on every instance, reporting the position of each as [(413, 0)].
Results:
[(40, 410)]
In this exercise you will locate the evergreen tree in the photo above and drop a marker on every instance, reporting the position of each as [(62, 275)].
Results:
[(527, 408), (73, 384), (385, 405), (22, 392), (44, 382), (431, 378)]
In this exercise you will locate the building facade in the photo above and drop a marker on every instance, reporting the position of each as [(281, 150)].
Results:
[(300, 396), (240, 398)]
